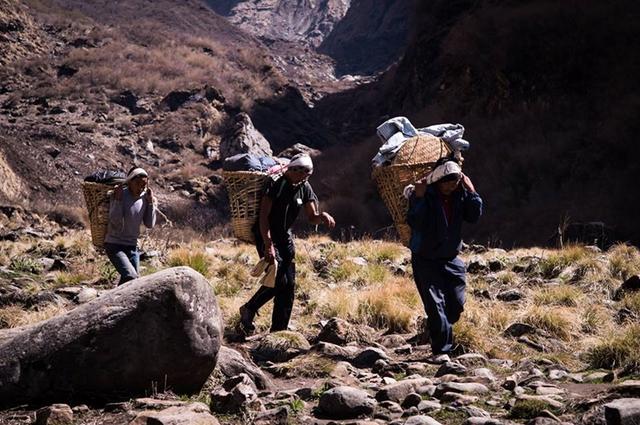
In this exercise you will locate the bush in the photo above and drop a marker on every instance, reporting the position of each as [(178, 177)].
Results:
[(25, 265), (556, 322)]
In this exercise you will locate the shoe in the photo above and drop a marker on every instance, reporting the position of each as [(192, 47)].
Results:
[(246, 320)]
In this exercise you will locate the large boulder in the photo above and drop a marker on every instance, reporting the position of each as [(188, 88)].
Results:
[(346, 402), (244, 138), (231, 363), (160, 331)]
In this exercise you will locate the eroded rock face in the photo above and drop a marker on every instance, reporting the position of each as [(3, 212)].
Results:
[(164, 329), (244, 138)]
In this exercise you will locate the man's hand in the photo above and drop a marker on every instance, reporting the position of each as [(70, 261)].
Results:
[(269, 252), (467, 183), (117, 192), (421, 187), (327, 220), (149, 197)]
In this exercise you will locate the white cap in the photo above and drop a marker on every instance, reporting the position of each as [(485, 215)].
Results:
[(444, 170), (136, 172), (301, 160)]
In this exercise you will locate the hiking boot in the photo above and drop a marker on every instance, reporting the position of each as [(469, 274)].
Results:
[(246, 320)]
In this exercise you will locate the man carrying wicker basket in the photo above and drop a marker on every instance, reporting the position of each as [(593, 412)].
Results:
[(279, 207), (131, 205), (437, 207)]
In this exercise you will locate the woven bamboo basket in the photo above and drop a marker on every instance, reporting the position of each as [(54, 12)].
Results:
[(96, 196), (245, 189), (413, 161)]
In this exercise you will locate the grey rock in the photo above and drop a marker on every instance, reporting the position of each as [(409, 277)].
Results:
[(519, 329), (232, 363), (428, 406), (461, 387), (473, 411), (340, 332), (398, 391), (485, 375), (459, 399), (421, 420), (191, 414), (276, 416), (85, 295), (298, 148), (280, 346), (56, 414), (391, 406), (624, 411), (472, 359), (411, 400), (163, 328), (510, 295), (335, 351), (243, 378), (630, 387), (367, 357), (148, 403), (346, 402), (453, 368), (244, 138), (234, 401), (474, 420)]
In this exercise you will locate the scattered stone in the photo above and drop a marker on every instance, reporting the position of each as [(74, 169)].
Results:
[(624, 411), (234, 401), (80, 409), (544, 399), (280, 346), (557, 374), (121, 328), (194, 413), (630, 387), (472, 359), (478, 265), (149, 403), (340, 332), (116, 407), (519, 329), (428, 406), (453, 368), (479, 420), (594, 376), (411, 400), (336, 351), (421, 420), (391, 406), (485, 375), (277, 416), (346, 402), (232, 363), (244, 138), (459, 399), (367, 357), (461, 387), (398, 391), (85, 295), (56, 414), (510, 295)]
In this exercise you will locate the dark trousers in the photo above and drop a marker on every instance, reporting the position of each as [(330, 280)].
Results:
[(441, 284), (283, 293), (126, 260)]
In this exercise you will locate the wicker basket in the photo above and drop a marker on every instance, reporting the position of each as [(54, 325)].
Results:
[(414, 159), (245, 190), (96, 195)]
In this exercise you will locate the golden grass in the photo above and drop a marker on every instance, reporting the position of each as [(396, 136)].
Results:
[(553, 264), (619, 349), (196, 259), (624, 261), (13, 316), (563, 295), (632, 302), (557, 321)]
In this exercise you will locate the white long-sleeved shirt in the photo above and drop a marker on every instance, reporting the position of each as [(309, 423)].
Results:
[(125, 217)]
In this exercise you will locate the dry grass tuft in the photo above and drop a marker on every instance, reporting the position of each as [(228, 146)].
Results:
[(563, 295), (620, 349), (624, 261), (197, 260), (13, 316), (558, 322)]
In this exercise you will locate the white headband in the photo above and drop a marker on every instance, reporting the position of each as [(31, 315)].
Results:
[(301, 161), (136, 172), (444, 170)]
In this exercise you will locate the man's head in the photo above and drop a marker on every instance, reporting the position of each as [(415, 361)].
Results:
[(446, 177), (137, 180), (299, 169)]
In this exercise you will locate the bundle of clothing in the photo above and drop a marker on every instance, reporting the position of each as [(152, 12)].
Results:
[(107, 177), (250, 162), (396, 131)]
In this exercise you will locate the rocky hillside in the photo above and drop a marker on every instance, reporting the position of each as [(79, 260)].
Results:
[(544, 89), (547, 335)]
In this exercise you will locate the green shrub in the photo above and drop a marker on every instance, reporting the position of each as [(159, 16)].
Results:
[(25, 265)]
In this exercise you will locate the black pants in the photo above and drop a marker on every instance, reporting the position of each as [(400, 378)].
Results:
[(283, 293), (441, 284)]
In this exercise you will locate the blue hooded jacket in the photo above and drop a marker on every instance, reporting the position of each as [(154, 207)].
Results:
[(431, 236)]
